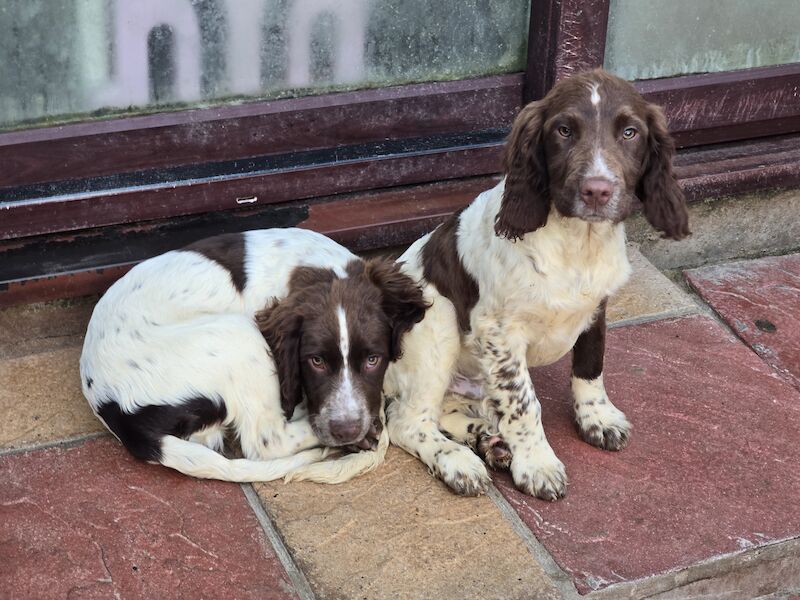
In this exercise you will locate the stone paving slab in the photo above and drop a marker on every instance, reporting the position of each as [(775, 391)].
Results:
[(399, 533), (647, 295), (41, 399), (760, 301), (91, 522), (711, 468), (33, 328), (40, 392), (394, 533)]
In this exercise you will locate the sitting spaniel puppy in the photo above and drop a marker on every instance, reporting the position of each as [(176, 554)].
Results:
[(521, 276), (232, 334)]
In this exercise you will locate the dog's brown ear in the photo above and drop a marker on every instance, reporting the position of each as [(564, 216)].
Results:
[(281, 326), (526, 197), (662, 199), (402, 299)]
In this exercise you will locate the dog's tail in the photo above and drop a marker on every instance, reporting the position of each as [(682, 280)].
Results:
[(191, 458), (341, 469)]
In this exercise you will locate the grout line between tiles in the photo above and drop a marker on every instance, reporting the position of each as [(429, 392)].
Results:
[(297, 576), (70, 442), (661, 316), (560, 579)]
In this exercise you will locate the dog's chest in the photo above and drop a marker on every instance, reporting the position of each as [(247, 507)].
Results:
[(551, 291), (552, 330), (567, 289)]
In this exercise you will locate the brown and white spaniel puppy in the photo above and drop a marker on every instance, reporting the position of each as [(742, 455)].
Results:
[(521, 276), (233, 334)]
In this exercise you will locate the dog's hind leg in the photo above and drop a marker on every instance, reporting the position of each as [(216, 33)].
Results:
[(210, 437), (266, 437), (228, 358), (461, 420), (199, 461), (262, 428), (415, 387)]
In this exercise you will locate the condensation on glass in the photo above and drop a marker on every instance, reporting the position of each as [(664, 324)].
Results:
[(661, 38), (63, 60)]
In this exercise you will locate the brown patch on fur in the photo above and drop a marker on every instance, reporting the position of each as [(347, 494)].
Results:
[(380, 305), (401, 298), (662, 198), (552, 146), (588, 351), (526, 199), (227, 250), (443, 268)]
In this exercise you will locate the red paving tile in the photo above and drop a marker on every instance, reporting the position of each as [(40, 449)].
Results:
[(91, 522), (711, 468), (760, 300)]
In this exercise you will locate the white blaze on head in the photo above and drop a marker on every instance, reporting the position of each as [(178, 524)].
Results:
[(595, 97), (346, 398), (344, 340), (600, 168)]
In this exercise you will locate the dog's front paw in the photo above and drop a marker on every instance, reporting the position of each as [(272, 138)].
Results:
[(604, 426), (370, 441), (539, 473), (494, 451), (461, 470)]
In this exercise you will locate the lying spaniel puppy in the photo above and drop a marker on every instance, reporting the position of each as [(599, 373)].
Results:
[(521, 277), (233, 333)]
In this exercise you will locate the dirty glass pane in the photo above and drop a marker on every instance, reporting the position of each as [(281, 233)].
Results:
[(661, 38), (63, 60)]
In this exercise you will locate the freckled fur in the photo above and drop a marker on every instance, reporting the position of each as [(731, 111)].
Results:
[(174, 348), (543, 263)]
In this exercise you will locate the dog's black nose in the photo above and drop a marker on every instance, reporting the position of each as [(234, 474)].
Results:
[(596, 191), (346, 430)]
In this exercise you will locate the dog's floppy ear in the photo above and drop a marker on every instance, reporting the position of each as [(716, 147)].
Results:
[(281, 325), (402, 299), (526, 197), (662, 199)]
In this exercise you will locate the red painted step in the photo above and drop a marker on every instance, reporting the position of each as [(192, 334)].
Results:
[(93, 522), (711, 467), (760, 300)]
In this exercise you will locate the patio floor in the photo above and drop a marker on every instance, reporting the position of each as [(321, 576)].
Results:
[(701, 504)]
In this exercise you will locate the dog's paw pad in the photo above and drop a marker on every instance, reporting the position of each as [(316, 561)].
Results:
[(495, 451)]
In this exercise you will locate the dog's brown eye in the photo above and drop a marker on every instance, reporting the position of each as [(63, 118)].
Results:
[(564, 131), (372, 361), (317, 362), (629, 133)]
